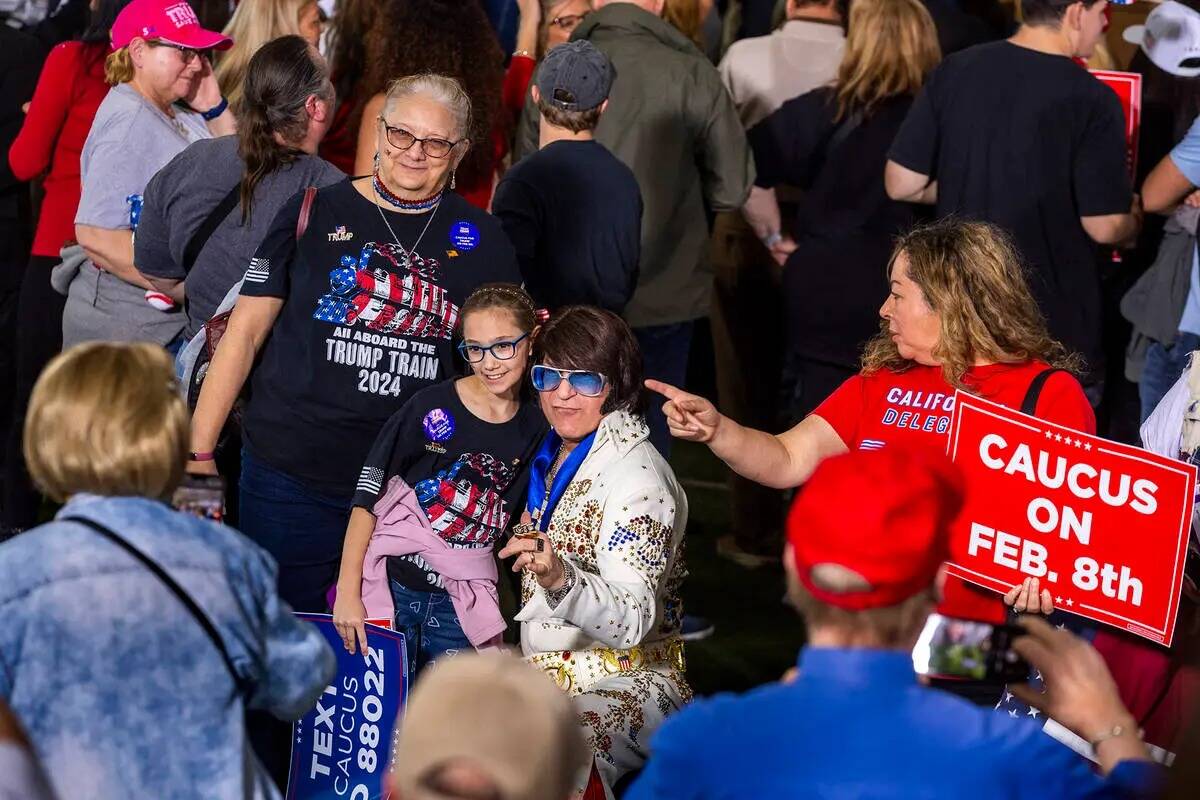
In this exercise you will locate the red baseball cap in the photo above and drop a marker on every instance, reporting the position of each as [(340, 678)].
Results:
[(171, 21), (884, 514)]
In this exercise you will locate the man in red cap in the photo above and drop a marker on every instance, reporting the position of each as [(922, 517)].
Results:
[(867, 537)]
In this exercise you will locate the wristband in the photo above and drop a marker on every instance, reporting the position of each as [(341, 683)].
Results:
[(771, 239), (524, 53), (201, 457), (215, 111)]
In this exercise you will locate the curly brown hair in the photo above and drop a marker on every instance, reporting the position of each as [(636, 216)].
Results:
[(971, 276), (445, 37)]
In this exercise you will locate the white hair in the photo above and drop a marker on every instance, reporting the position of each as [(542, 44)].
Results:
[(441, 89)]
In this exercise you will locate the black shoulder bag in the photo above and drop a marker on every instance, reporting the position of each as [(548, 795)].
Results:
[(201, 618)]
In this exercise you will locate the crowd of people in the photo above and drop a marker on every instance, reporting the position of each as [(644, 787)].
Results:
[(413, 286)]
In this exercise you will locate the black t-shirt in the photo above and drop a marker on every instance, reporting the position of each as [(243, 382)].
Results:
[(845, 224), (574, 214), (361, 329), (1031, 142), (470, 475)]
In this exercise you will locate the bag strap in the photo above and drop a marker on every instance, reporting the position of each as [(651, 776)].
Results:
[(834, 139), (210, 224), (310, 195), (1029, 404), (171, 584)]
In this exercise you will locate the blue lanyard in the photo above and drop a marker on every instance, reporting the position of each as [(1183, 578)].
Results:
[(539, 499)]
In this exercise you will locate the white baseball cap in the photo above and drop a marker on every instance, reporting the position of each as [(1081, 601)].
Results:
[(1170, 38)]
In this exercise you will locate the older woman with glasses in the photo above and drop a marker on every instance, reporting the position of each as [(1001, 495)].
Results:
[(545, 24), (164, 97), (600, 543), (347, 309)]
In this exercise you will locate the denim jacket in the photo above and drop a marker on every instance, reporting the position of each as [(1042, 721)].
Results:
[(122, 693)]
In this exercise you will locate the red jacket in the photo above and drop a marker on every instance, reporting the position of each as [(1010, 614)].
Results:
[(64, 104)]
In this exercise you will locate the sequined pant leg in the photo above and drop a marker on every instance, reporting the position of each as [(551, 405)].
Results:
[(620, 715)]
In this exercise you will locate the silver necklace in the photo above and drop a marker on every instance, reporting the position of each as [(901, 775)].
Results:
[(408, 254)]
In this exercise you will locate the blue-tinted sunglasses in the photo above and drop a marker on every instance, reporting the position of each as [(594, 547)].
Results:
[(586, 382)]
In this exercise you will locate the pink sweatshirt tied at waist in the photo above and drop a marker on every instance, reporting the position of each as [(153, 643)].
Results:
[(469, 575)]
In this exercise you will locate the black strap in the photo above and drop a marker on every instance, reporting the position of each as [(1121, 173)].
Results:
[(1029, 404), (175, 588), (215, 217), (849, 124)]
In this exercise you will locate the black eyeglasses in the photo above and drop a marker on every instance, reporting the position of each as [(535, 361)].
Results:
[(474, 353), (187, 54), (432, 147), (568, 22)]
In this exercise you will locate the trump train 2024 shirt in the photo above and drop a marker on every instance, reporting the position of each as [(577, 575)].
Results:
[(363, 325)]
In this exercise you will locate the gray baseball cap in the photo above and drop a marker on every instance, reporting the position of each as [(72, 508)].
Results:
[(575, 76)]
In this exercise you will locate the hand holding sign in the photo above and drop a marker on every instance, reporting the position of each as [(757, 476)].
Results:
[(349, 618), (689, 416), (1024, 597)]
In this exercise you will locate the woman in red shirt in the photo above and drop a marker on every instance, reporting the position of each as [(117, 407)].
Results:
[(60, 115), (959, 317)]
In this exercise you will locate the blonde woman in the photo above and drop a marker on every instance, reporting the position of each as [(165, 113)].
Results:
[(959, 315), (99, 644), (832, 144), (163, 97), (253, 24)]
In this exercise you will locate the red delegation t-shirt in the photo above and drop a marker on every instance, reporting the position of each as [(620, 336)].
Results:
[(913, 408)]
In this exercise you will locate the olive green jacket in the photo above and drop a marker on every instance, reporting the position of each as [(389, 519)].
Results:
[(671, 121)]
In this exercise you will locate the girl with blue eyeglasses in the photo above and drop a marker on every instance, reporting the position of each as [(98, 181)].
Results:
[(440, 485)]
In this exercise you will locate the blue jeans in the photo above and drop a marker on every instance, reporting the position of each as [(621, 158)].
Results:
[(1164, 365), (430, 626), (665, 350), (302, 529)]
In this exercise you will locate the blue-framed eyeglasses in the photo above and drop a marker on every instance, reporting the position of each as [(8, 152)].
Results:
[(586, 382), (474, 353)]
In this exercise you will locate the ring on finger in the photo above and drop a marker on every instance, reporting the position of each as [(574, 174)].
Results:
[(541, 545)]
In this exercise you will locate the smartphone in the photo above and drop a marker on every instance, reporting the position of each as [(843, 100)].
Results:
[(202, 495), (962, 650)]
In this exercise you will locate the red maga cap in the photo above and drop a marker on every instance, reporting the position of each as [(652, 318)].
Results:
[(171, 21), (885, 515)]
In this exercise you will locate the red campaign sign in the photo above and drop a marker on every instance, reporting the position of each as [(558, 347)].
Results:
[(1104, 526), (1128, 86)]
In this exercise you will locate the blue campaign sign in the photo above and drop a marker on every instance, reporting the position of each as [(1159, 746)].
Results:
[(341, 749)]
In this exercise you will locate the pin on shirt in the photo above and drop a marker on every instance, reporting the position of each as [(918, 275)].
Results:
[(464, 235), (439, 427)]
